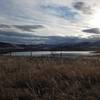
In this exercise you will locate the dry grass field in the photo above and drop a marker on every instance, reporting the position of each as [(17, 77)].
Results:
[(29, 78)]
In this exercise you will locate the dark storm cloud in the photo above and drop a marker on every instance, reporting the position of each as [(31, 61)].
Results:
[(11, 34), (28, 28), (14, 34), (92, 30), (4, 26), (82, 6), (16, 37)]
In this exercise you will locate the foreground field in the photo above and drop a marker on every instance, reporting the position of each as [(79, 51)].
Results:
[(27, 78)]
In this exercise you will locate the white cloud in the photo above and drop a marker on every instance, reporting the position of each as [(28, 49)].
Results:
[(29, 12)]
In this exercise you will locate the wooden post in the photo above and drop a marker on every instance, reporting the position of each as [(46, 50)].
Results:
[(31, 53)]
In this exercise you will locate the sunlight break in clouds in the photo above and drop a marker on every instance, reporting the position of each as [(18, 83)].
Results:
[(67, 18)]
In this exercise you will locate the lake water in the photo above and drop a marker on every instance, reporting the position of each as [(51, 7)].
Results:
[(52, 53)]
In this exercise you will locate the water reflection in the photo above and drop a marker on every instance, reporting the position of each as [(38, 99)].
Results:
[(51, 53)]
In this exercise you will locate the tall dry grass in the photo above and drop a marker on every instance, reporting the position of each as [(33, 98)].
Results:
[(29, 78)]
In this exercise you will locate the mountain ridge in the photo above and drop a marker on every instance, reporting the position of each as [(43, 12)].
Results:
[(80, 46)]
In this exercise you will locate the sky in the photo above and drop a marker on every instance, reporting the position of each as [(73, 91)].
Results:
[(24, 21)]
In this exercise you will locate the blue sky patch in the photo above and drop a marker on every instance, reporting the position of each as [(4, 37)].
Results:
[(60, 11)]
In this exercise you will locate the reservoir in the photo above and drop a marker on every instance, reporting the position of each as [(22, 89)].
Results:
[(51, 53)]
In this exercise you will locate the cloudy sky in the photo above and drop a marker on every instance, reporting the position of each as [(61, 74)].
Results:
[(36, 20)]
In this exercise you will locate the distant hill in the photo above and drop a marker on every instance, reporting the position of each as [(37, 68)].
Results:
[(81, 46)]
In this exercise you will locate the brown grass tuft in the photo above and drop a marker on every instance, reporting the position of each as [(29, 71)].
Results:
[(28, 78)]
